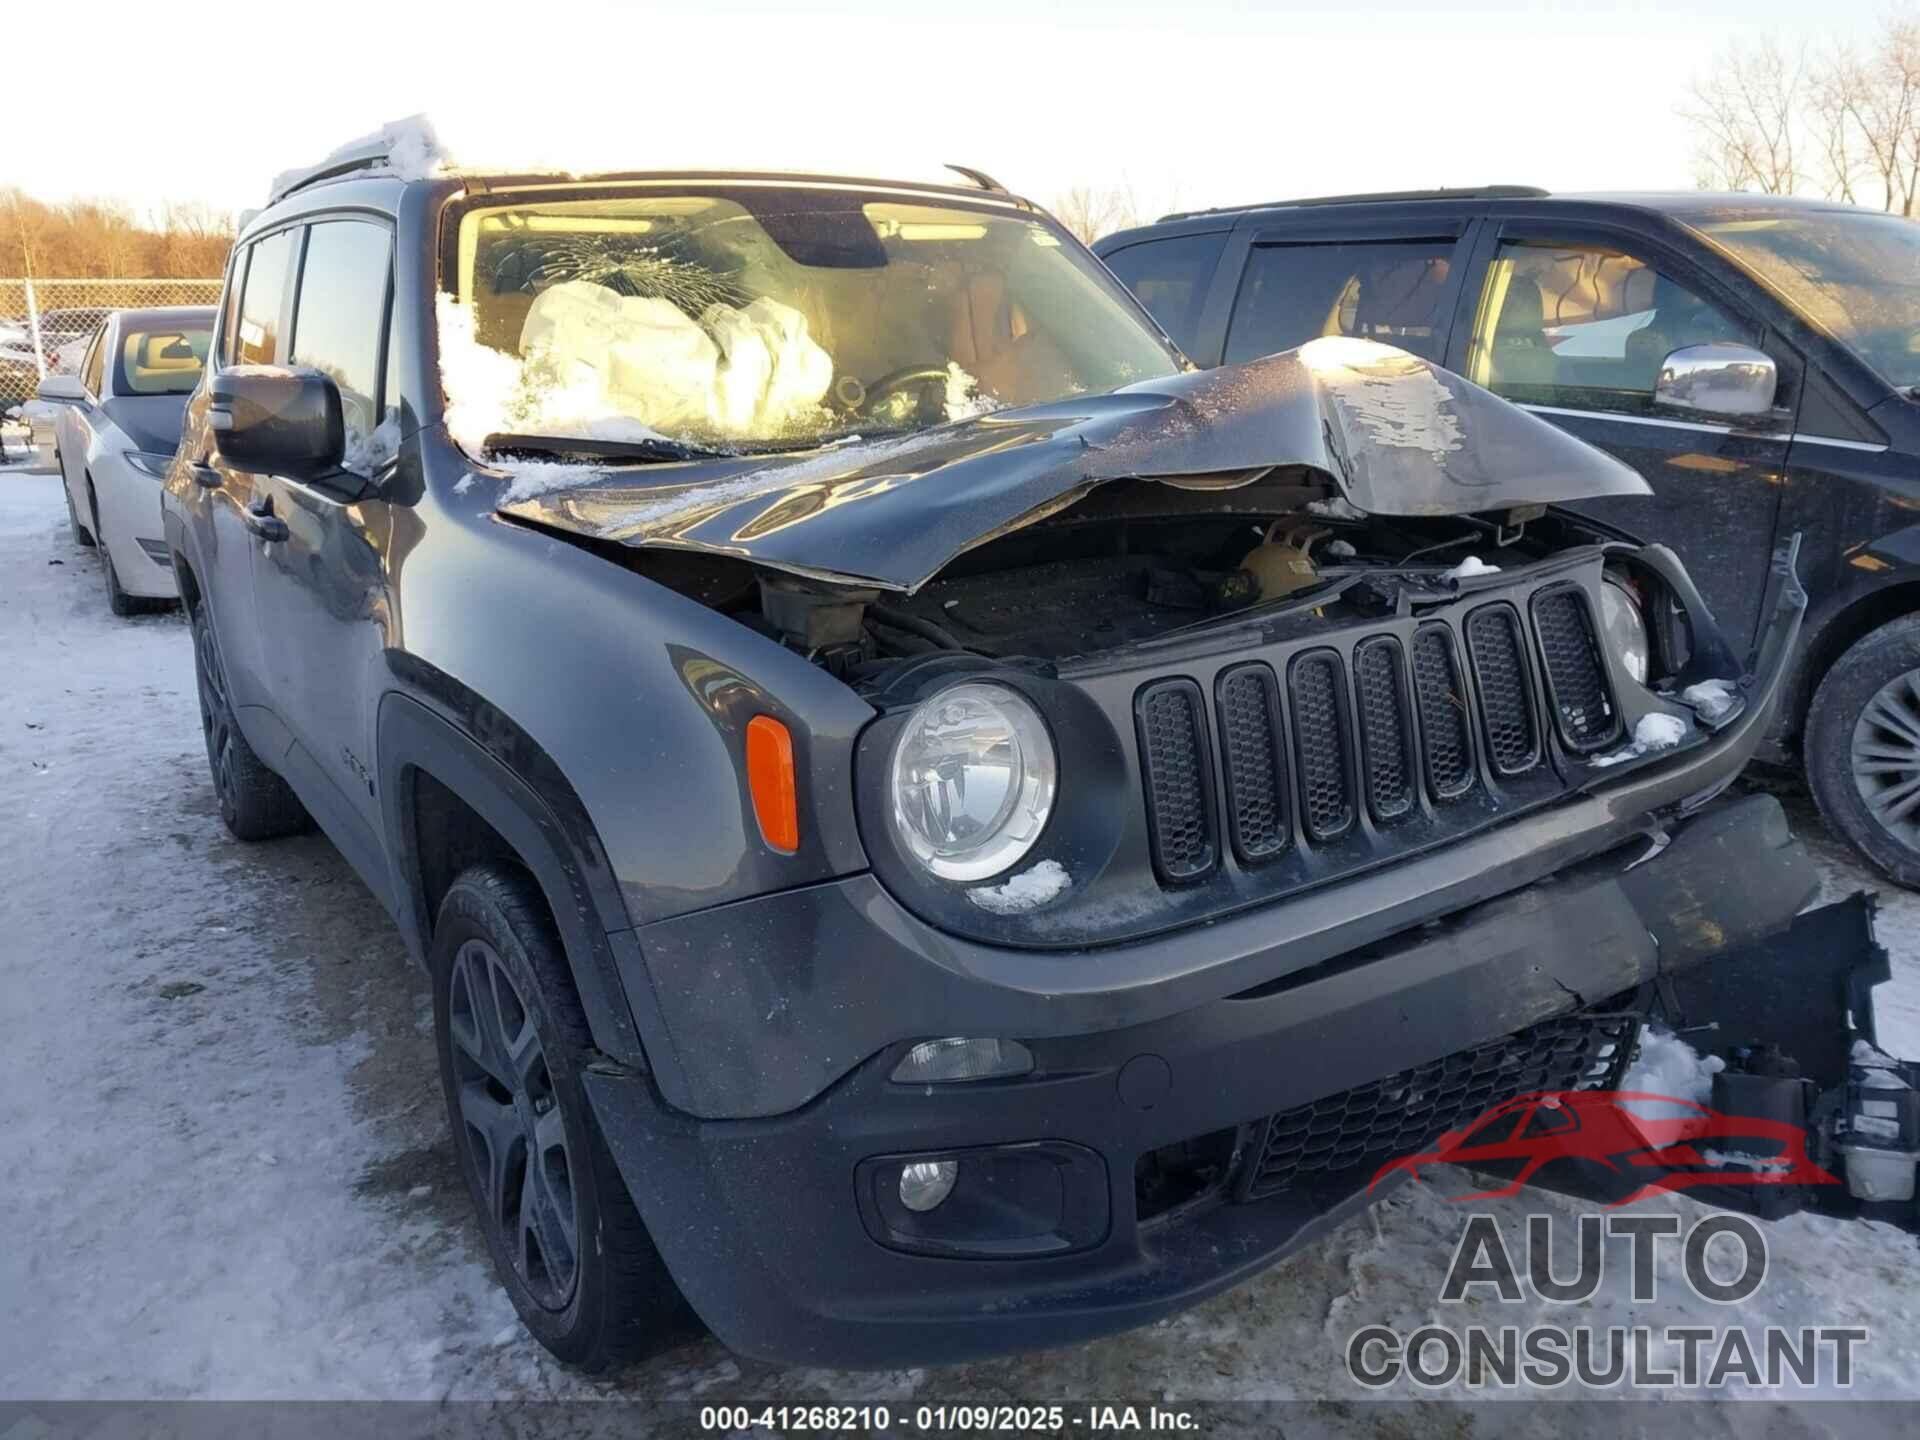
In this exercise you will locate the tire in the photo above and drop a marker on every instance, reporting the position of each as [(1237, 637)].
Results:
[(255, 803), (118, 600), (513, 1041), (82, 536), (1863, 748)]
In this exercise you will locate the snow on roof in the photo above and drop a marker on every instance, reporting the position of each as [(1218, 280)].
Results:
[(405, 149)]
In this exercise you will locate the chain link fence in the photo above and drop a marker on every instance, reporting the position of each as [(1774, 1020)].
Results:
[(45, 324)]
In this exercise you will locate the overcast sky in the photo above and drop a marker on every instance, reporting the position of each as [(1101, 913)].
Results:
[(1194, 102)]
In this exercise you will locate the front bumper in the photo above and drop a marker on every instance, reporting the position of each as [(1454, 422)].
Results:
[(758, 1219), (757, 1007), (772, 1027)]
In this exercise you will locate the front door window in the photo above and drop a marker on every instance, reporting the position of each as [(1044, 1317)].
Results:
[(1585, 328)]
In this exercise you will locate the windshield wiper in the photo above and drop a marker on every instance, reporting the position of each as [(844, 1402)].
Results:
[(651, 451)]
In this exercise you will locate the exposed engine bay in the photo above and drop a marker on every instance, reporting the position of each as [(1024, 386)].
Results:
[(1100, 576)]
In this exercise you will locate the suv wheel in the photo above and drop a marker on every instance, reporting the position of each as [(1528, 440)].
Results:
[(566, 1240), (255, 803), (1863, 748)]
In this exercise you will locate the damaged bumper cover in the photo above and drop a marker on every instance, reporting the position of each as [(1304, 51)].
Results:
[(811, 1270), (779, 1022)]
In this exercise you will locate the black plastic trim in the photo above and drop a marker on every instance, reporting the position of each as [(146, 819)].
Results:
[(1262, 674), (1196, 708)]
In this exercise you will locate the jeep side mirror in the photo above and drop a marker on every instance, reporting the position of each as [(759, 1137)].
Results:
[(1730, 382), (275, 421), (62, 390)]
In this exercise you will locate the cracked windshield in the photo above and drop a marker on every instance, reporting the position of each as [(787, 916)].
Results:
[(769, 320)]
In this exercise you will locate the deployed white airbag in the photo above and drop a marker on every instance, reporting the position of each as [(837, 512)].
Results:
[(735, 371)]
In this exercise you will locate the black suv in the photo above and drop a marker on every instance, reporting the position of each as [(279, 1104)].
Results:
[(1575, 306), (935, 826)]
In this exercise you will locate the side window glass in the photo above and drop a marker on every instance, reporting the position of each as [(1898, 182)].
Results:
[(1585, 328), (390, 375), (1391, 291), (338, 319), (261, 299), (1170, 277), (229, 306), (92, 370)]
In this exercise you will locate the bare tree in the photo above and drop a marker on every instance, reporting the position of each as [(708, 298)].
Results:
[(1883, 97), (1834, 91), (104, 239), (1090, 212), (1743, 112)]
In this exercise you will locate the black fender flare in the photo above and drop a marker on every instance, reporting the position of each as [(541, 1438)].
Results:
[(532, 807)]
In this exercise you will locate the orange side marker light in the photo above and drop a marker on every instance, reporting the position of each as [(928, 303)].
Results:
[(776, 803)]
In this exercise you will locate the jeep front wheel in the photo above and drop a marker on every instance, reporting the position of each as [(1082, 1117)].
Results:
[(563, 1233), (255, 803)]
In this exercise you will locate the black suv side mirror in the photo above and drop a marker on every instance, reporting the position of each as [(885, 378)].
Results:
[(276, 421)]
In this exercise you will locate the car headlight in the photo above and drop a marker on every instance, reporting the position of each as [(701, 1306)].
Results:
[(973, 779), (149, 463), (1625, 628)]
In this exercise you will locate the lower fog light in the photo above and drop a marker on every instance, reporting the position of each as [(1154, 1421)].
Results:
[(926, 1183), (942, 1062)]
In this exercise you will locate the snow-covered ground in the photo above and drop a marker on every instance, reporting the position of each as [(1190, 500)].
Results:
[(225, 1160)]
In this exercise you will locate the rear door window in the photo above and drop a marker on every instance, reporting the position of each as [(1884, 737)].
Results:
[(263, 299), (1396, 292), (1171, 278)]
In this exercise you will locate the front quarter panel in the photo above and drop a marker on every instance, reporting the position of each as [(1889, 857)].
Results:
[(639, 695)]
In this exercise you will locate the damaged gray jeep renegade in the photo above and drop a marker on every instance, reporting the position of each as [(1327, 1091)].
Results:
[(936, 827)]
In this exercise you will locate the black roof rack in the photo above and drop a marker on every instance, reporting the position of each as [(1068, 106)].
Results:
[(371, 156), (1469, 192), (979, 177)]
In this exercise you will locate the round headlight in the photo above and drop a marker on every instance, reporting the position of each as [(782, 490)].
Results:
[(1624, 628), (973, 779)]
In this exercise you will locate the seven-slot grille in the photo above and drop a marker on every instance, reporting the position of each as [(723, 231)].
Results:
[(1386, 737), (1320, 723), (1176, 765), (1302, 757), (1441, 692), (1576, 677), (1254, 758), (1497, 648)]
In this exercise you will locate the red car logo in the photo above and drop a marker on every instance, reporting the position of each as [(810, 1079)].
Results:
[(1676, 1144)]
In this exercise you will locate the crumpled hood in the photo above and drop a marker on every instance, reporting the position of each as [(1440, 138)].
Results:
[(1397, 435)]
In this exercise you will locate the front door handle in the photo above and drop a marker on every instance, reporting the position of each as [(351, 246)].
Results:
[(205, 475), (263, 522)]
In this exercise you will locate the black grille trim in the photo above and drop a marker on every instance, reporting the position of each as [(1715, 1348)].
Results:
[(1497, 649), (1446, 729), (1358, 1130), (1386, 728), (1176, 762), (1246, 702), (1322, 723), (1584, 712)]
